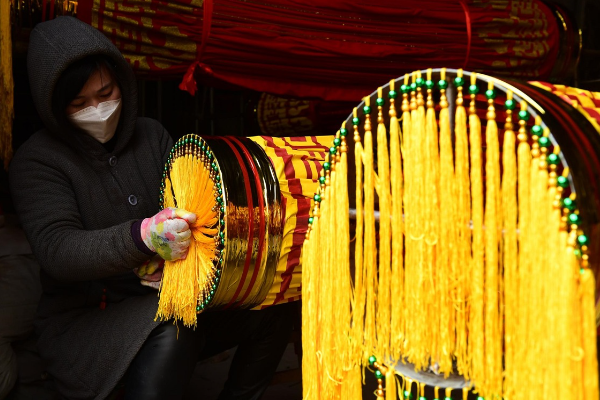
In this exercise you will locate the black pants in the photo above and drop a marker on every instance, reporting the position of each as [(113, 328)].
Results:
[(164, 365)]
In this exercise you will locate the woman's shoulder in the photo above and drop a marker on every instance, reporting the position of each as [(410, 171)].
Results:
[(42, 147), (150, 125)]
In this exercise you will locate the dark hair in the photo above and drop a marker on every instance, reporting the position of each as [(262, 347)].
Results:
[(72, 80)]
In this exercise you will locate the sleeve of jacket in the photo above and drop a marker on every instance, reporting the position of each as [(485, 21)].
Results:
[(47, 208)]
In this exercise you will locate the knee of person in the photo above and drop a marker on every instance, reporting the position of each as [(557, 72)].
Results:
[(8, 369)]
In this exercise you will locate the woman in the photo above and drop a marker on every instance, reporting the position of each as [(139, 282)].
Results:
[(86, 190)]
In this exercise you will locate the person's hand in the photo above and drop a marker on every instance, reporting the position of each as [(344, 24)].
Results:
[(168, 233), (150, 272)]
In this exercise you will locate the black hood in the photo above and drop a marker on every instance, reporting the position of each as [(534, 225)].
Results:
[(56, 44)]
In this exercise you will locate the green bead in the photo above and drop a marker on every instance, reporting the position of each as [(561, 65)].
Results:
[(223, 242), (372, 360), (222, 222), (459, 81), (524, 115), (337, 141), (332, 150), (210, 155), (562, 181), (537, 130), (568, 203), (203, 147), (413, 86), (473, 89), (509, 104), (310, 220), (218, 177), (355, 121), (326, 166), (367, 109), (322, 180), (222, 234), (543, 141), (380, 102), (553, 159), (378, 374), (582, 240), (187, 140), (490, 94), (442, 84), (447, 398), (220, 200), (404, 89), (218, 185), (429, 84), (574, 219), (422, 398), (577, 253), (317, 197), (407, 394), (343, 132), (222, 209), (420, 82), (198, 308), (480, 398)]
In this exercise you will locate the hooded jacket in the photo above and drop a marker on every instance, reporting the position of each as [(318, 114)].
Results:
[(77, 202)]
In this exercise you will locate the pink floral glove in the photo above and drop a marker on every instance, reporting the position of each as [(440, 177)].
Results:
[(150, 272), (168, 233)]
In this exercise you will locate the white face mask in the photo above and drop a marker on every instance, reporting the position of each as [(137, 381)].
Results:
[(99, 122)]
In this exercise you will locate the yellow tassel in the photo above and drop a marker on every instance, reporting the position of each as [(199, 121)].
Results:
[(6, 84), (476, 344), (574, 349), (342, 261), (310, 320), (510, 252), (329, 359), (359, 303), (444, 331), (397, 278), (560, 286), (463, 234), (492, 385), (533, 304), (390, 385), (384, 298), (418, 269), (370, 250), (520, 377), (186, 282), (406, 322), (590, 362)]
